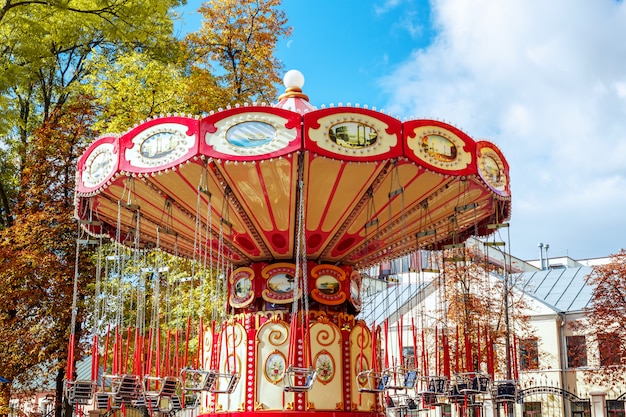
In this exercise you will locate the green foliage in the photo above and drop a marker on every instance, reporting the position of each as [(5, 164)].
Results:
[(69, 70), (134, 87)]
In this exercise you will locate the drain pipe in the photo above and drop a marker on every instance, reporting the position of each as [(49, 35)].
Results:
[(563, 352)]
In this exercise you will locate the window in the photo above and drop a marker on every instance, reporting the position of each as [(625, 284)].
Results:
[(576, 351), (581, 408), (408, 357), (532, 409), (529, 354), (610, 349), (615, 408)]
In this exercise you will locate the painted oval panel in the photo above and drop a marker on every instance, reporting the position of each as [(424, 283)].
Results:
[(274, 367), (158, 145), (243, 287), (353, 135), (99, 166), (327, 284), (281, 283), (325, 367), (440, 148), (250, 134), (491, 170)]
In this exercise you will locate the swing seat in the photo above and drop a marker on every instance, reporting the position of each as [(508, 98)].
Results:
[(473, 383), (399, 402), (102, 400), (126, 389), (435, 385), (155, 387), (225, 383), (427, 400), (298, 379), (175, 404), (374, 382), (505, 391), (198, 379), (79, 392), (400, 378), (191, 401), (151, 403)]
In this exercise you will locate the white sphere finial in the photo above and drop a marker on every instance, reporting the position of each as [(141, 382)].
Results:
[(293, 78)]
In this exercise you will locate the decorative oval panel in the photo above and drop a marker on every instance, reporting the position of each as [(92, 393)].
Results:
[(274, 368), (99, 165), (157, 147), (493, 168), (324, 364), (241, 291), (244, 134), (353, 133), (440, 147), (280, 285), (250, 134)]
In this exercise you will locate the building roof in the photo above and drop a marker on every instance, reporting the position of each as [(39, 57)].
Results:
[(558, 289), (562, 289), (390, 302)]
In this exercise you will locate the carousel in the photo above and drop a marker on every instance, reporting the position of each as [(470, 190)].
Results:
[(280, 210)]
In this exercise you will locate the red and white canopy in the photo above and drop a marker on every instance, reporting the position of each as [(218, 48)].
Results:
[(373, 187)]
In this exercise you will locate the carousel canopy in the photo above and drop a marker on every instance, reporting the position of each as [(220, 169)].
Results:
[(248, 183)]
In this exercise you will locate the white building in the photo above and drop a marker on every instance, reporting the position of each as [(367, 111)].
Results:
[(551, 357)]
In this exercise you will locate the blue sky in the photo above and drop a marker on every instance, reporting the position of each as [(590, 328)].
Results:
[(543, 80)]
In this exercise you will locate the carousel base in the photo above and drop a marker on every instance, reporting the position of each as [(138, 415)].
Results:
[(275, 413)]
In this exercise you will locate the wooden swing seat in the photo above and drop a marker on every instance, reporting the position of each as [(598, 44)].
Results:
[(298, 379), (375, 382), (79, 392)]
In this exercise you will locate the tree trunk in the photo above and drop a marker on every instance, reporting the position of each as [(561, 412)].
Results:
[(61, 407), (5, 396)]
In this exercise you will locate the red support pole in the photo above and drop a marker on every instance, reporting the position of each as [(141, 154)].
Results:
[(69, 373), (95, 359)]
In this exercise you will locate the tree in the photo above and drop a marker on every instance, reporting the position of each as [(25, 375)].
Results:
[(233, 51), (37, 251), (70, 68), (45, 121), (478, 305), (604, 318)]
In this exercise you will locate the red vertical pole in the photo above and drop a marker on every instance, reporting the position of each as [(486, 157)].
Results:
[(69, 372), (414, 334), (456, 350), (478, 352), (187, 333), (95, 359), (437, 361), (149, 357), (446, 355), (200, 356)]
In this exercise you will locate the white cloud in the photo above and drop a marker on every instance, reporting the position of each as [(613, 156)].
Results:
[(546, 82)]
